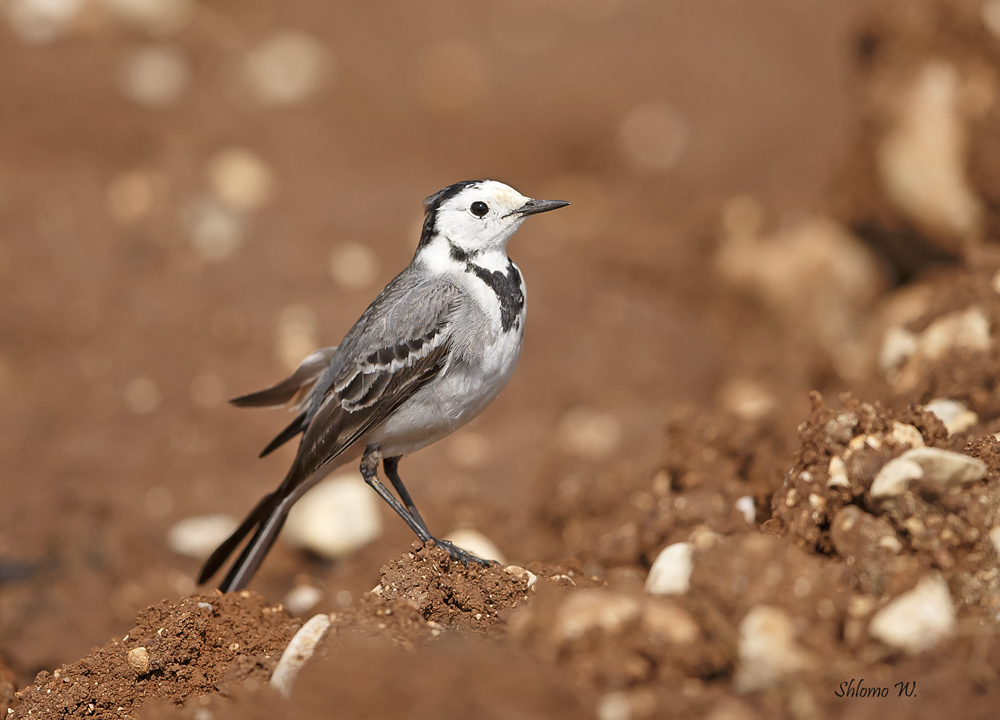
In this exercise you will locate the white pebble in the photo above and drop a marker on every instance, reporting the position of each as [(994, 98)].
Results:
[(157, 17), (239, 178), (216, 231), (916, 620), (838, 473), (142, 396), (302, 599), (898, 345), (586, 610), (922, 159), (518, 571), (614, 706), (969, 328), (671, 571), (654, 135), (154, 76), (198, 536), (666, 621), (904, 434), (895, 476), (995, 538), (35, 22), (955, 414), (748, 399), (288, 67), (589, 433), (298, 652), (767, 649), (476, 543), (353, 266), (335, 518), (747, 508)]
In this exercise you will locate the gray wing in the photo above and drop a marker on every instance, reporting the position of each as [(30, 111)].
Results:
[(400, 343)]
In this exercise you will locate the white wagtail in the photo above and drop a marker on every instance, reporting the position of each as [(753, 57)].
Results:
[(435, 348)]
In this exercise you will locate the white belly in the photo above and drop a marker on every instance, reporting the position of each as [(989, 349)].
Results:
[(456, 396)]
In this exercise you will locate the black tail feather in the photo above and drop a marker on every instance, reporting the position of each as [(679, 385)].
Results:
[(295, 427), (256, 517), (247, 564)]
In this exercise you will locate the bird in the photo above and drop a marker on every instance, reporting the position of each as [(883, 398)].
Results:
[(428, 355)]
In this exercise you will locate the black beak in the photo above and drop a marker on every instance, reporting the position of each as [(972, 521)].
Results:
[(533, 207)]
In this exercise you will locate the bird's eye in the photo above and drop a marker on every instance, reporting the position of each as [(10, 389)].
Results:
[(479, 208)]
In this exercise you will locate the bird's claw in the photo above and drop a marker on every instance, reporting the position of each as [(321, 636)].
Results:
[(462, 556)]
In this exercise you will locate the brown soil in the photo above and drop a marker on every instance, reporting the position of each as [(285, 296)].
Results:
[(737, 387)]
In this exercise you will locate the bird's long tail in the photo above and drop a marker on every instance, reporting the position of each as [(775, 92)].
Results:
[(266, 519)]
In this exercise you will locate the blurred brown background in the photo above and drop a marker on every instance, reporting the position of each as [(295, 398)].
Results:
[(193, 195)]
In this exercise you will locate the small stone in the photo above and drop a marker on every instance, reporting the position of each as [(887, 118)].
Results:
[(35, 22), (905, 435), (302, 599), (671, 571), (476, 543), (154, 76), (239, 178), (589, 433), (298, 652), (968, 329), (670, 623), (289, 67), (335, 518), (518, 571), (922, 160), (746, 506), (586, 610), (955, 415), (838, 473), (157, 17), (898, 345), (894, 477), (138, 660), (205, 606), (353, 266), (142, 396), (216, 230), (654, 135), (995, 538), (953, 468), (198, 536), (767, 649), (916, 620), (614, 706), (747, 399)]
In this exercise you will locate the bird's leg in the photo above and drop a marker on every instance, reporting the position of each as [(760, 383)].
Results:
[(391, 466), (369, 471)]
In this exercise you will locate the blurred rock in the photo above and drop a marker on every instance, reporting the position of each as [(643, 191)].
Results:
[(955, 415), (142, 396), (468, 449), (298, 652), (462, 65), (133, 195), (289, 67), (932, 464), (813, 272), (154, 76), (335, 518), (671, 571), (216, 231), (589, 433), (748, 399), (157, 17), (905, 435), (476, 543), (353, 266), (302, 599), (587, 610), (653, 136), (239, 178), (198, 536), (894, 477), (921, 160), (916, 620), (867, 543), (668, 622), (35, 22), (767, 650), (747, 508), (296, 334), (995, 538)]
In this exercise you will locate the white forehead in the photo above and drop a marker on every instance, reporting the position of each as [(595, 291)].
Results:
[(493, 193)]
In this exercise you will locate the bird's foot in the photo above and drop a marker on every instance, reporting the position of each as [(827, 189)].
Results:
[(462, 556)]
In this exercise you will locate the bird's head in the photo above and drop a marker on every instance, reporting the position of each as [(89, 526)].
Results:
[(477, 216)]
